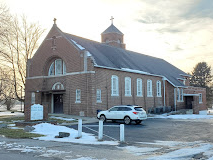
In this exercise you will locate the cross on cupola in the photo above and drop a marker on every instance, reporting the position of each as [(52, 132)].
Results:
[(111, 19)]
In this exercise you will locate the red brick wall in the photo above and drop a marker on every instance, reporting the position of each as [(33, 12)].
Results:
[(103, 82), (196, 105)]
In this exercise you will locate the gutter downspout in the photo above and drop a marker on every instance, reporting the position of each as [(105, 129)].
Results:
[(164, 92), (175, 103)]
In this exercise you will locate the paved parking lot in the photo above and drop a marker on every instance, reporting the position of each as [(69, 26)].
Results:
[(157, 130)]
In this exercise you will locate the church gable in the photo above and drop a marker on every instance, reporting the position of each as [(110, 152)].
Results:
[(55, 49)]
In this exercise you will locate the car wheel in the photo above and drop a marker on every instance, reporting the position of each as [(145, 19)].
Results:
[(127, 120), (103, 118), (138, 121)]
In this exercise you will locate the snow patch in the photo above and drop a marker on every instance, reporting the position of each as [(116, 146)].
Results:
[(184, 116), (78, 45), (184, 153), (61, 118), (134, 71), (139, 151), (8, 113), (50, 131)]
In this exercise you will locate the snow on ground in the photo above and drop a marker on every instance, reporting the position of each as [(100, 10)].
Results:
[(184, 116), (61, 118), (167, 150), (8, 113), (139, 151), (43, 151), (50, 131)]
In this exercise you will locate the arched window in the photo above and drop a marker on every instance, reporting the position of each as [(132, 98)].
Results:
[(139, 87), (158, 86), (114, 86), (58, 86), (128, 86), (57, 67), (149, 88)]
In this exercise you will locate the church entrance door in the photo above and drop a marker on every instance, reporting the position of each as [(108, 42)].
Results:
[(58, 103)]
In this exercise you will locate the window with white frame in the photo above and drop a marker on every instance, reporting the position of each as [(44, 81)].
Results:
[(128, 86), (178, 94), (78, 96), (158, 87), (139, 87), (98, 95), (149, 88), (33, 98), (57, 67), (200, 98), (114, 86), (181, 94)]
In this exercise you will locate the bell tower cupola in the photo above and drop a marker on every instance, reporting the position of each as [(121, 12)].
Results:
[(112, 36)]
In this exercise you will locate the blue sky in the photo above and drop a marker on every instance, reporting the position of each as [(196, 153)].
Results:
[(178, 31)]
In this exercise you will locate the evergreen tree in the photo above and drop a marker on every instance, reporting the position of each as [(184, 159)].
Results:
[(201, 77)]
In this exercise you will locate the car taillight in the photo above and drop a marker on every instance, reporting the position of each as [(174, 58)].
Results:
[(135, 112)]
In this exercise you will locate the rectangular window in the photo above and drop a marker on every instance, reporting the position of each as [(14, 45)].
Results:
[(128, 86), (64, 68), (200, 98), (139, 87), (114, 86), (178, 94), (33, 98), (58, 66), (149, 88), (158, 89), (98, 95), (78, 96), (181, 95)]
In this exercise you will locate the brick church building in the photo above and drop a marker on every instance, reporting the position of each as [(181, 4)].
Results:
[(74, 75)]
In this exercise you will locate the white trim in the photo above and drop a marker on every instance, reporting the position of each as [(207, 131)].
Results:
[(62, 86), (175, 98), (190, 94), (143, 73), (67, 74), (164, 92)]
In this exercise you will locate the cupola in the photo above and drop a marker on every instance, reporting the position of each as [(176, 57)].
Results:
[(112, 36)]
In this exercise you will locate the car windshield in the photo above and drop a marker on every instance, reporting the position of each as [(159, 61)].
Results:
[(138, 108)]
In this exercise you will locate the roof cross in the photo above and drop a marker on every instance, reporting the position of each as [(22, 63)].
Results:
[(54, 20), (111, 19)]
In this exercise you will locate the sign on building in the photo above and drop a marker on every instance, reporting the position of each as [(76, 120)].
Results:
[(37, 112)]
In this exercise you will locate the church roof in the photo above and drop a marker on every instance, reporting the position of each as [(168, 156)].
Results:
[(110, 57), (112, 29)]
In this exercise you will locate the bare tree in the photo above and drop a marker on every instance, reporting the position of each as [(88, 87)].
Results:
[(7, 96), (18, 42)]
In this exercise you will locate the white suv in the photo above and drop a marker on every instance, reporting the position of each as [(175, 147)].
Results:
[(128, 113)]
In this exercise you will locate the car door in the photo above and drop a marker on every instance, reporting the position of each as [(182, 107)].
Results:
[(112, 113), (124, 111)]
